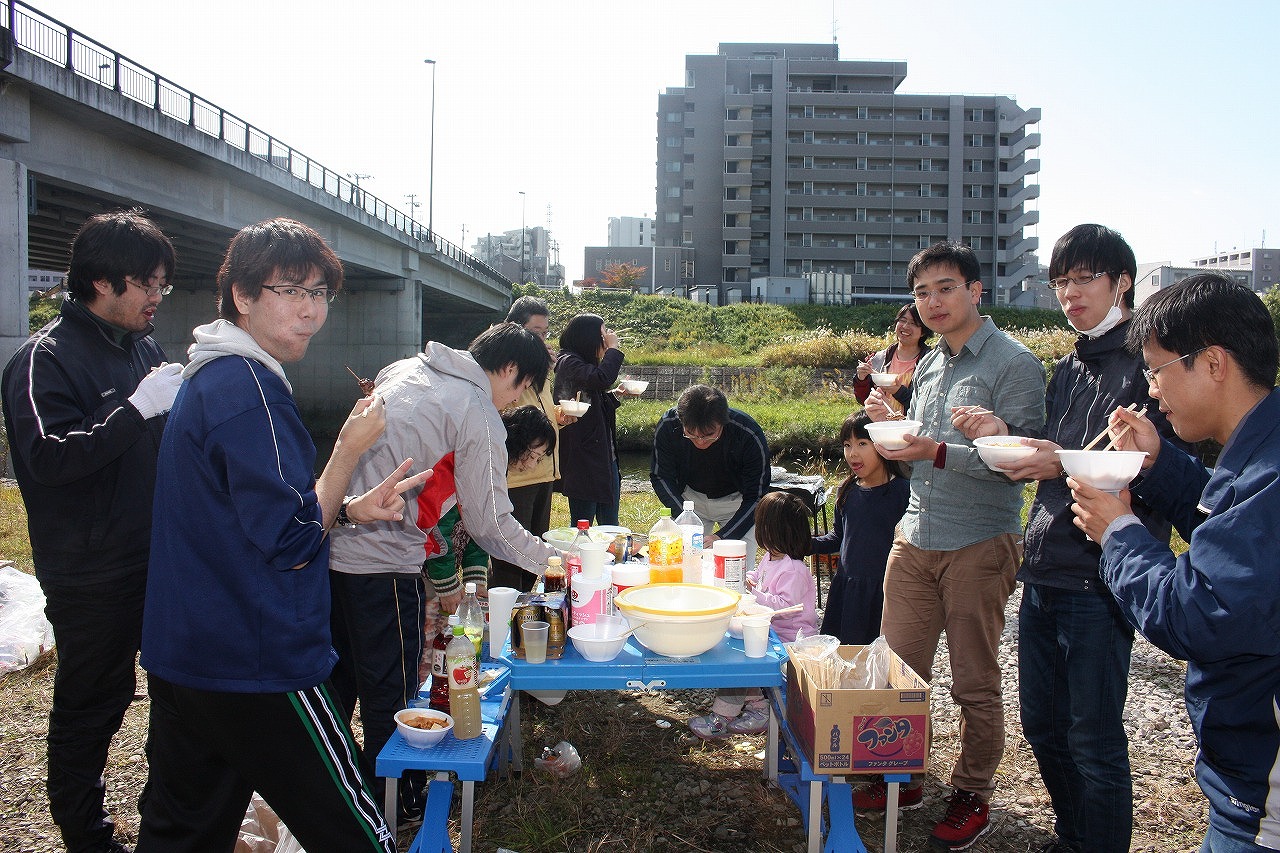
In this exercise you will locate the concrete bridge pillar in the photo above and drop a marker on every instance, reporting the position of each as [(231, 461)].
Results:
[(13, 257)]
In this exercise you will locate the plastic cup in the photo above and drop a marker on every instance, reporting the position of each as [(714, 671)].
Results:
[(592, 558), (755, 635), (534, 635), (501, 600)]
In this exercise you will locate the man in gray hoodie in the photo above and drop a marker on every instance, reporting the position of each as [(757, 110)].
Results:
[(442, 410)]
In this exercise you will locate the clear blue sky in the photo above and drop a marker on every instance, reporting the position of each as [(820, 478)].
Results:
[(1159, 118)]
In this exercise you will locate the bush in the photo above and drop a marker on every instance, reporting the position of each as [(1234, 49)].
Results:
[(42, 311)]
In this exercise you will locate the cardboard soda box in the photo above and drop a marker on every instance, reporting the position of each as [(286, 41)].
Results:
[(848, 732)]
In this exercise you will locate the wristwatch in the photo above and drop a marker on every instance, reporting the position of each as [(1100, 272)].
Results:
[(344, 520)]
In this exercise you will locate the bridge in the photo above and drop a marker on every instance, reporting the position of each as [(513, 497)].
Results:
[(85, 130)]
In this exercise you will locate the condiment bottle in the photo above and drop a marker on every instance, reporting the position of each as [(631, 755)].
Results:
[(439, 671), (553, 580), (464, 676)]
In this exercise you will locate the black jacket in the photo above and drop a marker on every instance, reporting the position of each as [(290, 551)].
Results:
[(589, 445), (747, 452), (1086, 388), (84, 457)]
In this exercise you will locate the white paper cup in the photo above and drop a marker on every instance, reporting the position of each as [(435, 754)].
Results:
[(501, 600), (755, 635), (534, 635), (592, 558)]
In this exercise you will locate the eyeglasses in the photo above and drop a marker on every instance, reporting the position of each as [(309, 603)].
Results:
[(1153, 372), (1060, 283), (529, 457), (293, 293), (706, 436), (152, 290), (923, 295)]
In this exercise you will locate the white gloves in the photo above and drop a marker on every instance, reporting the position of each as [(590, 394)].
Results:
[(154, 394)]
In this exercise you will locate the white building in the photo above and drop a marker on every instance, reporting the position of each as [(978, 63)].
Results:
[(630, 231)]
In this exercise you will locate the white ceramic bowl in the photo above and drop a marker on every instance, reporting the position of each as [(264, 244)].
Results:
[(634, 386), (601, 640), (678, 619), (574, 408), (422, 738), (1109, 470), (888, 434), (1001, 450), (883, 380)]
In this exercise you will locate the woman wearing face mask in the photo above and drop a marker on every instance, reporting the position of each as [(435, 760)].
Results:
[(1074, 645), (910, 341)]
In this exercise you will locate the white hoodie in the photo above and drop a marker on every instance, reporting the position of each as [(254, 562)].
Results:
[(438, 402)]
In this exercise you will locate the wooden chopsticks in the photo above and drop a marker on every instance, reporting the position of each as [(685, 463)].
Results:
[(1132, 407)]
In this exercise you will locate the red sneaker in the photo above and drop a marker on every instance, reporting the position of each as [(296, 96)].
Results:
[(875, 797), (966, 819)]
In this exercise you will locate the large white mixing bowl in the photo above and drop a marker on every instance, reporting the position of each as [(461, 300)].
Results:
[(678, 619)]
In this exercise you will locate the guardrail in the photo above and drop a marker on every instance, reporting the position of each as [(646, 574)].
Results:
[(54, 41)]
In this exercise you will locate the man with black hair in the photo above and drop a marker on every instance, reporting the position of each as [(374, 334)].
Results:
[(84, 406), (530, 488), (1074, 643), (715, 456), (953, 561), (442, 409), (1211, 352)]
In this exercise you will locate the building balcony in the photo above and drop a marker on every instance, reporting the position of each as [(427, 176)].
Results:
[(735, 262), (1013, 226), (1023, 145), (736, 205), (735, 233), (737, 153), (1030, 167), (1024, 247), (738, 125), (737, 179), (1016, 200), (1014, 118), (1030, 266)]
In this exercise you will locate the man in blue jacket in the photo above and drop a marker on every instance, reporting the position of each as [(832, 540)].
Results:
[(715, 456), (1211, 352), (84, 405)]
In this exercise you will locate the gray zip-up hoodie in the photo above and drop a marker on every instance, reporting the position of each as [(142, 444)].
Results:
[(440, 412)]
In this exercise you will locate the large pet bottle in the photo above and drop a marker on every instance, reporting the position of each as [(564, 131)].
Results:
[(666, 560), (464, 678), (691, 543)]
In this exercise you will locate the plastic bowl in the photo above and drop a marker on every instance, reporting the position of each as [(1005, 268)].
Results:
[(1001, 450), (678, 619), (888, 434), (883, 380), (422, 738), (601, 640), (634, 386), (1109, 470), (574, 408)]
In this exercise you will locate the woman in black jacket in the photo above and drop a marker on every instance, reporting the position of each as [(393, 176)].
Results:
[(588, 364)]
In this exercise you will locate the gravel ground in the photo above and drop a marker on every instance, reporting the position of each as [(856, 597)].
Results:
[(647, 787)]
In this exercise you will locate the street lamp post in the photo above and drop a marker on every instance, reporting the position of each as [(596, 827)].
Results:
[(524, 236), (431, 162)]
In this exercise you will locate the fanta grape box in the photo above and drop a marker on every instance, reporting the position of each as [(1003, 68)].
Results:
[(851, 731)]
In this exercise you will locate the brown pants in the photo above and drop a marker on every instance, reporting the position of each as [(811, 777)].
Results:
[(963, 592)]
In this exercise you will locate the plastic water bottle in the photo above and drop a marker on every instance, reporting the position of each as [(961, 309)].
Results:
[(691, 543), (666, 564), (464, 676), (439, 671), (471, 617)]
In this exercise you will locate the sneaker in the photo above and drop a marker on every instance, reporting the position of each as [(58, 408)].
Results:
[(751, 721), (711, 727), (965, 820), (875, 797)]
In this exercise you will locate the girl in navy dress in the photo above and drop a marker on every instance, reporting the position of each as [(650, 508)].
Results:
[(869, 504)]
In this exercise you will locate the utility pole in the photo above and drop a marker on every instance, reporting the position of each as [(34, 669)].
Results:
[(414, 204)]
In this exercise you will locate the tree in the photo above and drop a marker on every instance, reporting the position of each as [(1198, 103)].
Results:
[(622, 275)]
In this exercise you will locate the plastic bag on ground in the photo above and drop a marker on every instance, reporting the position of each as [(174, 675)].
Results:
[(263, 832), (24, 632)]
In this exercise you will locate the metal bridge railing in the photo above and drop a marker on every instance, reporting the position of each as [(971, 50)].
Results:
[(56, 42)]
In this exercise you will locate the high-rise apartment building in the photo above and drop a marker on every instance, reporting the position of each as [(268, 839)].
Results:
[(1261, 263), (781, 161)]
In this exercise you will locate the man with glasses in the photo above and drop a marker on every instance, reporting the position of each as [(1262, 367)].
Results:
[(84, 406), (715, 456), (529, 486), (953, 561), (1211, 345), (236, 639), (1074, 643)]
